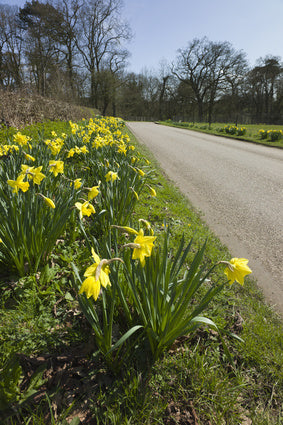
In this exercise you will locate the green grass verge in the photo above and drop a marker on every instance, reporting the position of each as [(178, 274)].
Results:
[(193, 383), (252, 132)]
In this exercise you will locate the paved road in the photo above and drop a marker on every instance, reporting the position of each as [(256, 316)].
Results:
[(237, 186)]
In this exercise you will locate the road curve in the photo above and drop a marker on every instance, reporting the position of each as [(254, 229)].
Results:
[(237, 186)]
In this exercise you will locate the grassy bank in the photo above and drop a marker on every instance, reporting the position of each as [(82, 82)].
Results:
[(53, 374), (252, 132), (19, 109)]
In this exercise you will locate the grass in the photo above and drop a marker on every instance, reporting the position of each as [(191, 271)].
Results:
[(52, 373), (251, 135)]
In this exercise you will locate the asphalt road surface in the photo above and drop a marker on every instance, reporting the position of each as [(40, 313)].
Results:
[(238, 188)]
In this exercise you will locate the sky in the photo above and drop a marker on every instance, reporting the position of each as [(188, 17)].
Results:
[(161, 27)]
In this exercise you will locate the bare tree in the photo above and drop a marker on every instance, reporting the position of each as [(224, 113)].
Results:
[(207, 66), (11, 48), (102, 32), (68, 36)]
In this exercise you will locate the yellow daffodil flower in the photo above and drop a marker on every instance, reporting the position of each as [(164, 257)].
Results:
[(55, 148), (142, 247), (126, 229), (19, 184), (48, 201), (32, 173), (21, 139), (236, 270), (37, 175), (56, 167), (29, 157), (85, 209), (135, 193), (111, 176), (77, 183), (27, 170), (122, 149), (151, 191), (141, 172), (97, 275), (71, 153), (93, 192), (84, 149)]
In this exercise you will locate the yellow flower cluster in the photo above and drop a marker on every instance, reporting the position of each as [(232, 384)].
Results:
[(7, 149), (272, 135), (77, 150)]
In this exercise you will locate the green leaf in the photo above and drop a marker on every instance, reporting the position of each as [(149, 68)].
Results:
[(125, 337)]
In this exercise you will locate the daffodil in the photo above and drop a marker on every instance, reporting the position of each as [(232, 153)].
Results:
[(56, 167), (21, 139), (126, 229), (84, 149), (97, 275), (141, 172), (122, 149), (29, 157), (93, 192), (38, 176), (143, 248), (85, 209), (55, 148), (236, 270), (142, 245), (27, 170), (135, 193), (33, 174), (151, 191), (77, 183), (19, 184), (48, 201), (111, 176), (71, 153)]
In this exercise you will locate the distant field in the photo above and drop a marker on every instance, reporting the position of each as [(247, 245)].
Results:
[(251, 134)]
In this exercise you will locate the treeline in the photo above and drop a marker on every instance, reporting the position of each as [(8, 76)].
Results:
[(75, 50)]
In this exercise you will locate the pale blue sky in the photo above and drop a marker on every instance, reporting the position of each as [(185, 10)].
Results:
[(161, 27)]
